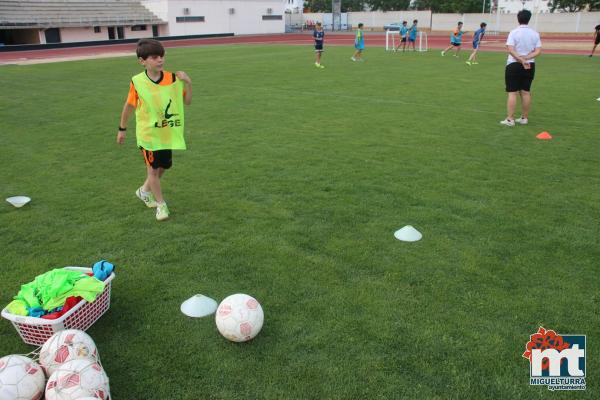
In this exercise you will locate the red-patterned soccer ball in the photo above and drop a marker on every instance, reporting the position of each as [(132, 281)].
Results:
[(78, 379), (239, 317), (21, 378), (67, 345)]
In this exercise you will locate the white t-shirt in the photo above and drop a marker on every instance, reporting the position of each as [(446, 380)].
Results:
[(524, 40)]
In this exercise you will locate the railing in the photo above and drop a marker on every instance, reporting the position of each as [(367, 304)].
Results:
[(114, 12), (80, 21)]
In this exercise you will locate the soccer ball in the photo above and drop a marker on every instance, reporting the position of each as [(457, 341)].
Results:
[(239, 317), (67, 345), (21, 378), (78, 379)]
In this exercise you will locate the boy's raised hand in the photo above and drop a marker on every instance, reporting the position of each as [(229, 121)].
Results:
[(183, 76)]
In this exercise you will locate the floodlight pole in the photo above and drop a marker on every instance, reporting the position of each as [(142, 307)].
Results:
[(336, 14)]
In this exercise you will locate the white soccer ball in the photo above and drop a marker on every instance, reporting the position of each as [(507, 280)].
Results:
[(78, 379), (67, 345), (21, 378), (239, 317)]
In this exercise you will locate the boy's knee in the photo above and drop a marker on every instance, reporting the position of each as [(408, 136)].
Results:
[(153, 172)]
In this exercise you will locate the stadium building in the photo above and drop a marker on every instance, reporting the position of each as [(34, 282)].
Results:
[(62, 21)]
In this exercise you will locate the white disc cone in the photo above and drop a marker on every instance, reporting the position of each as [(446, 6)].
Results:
[(198, 306), (18, 201), (408, 234)]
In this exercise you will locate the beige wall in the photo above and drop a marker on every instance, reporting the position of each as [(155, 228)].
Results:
[(553, 22), (87, 34), (377, 19)]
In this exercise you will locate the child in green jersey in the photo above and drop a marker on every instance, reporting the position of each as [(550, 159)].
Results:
[(157, 97)]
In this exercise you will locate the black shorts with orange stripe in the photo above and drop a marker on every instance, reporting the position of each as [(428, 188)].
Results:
[(158, 158)]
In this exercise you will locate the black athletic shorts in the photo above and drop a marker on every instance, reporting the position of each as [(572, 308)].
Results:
[(158, 158), (518, 78), (403, 40), (597, 41), (455, 44)]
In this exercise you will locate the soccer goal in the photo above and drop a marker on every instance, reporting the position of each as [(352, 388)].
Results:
[(393, 37)]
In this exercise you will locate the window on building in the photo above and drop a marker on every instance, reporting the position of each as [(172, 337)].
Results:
[(138, 28), (190, 19), (97, 29)]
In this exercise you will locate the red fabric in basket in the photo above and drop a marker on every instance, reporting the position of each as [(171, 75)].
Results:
[(69, 303)]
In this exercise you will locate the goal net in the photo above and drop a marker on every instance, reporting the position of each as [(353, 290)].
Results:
[(392, 40)]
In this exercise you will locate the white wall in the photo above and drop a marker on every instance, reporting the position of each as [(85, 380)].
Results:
[(246, 18)]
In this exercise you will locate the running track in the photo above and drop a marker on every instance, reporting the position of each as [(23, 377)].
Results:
[(557, 44)]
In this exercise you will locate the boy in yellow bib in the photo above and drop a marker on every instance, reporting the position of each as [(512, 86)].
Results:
[(157, 97)]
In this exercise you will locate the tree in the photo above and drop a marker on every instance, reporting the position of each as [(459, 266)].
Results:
[(325, 5), (450, 6), (388, 5), (574, 5), (318, 5)]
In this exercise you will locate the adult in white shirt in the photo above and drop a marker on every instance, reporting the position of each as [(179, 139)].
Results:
[(523, 45)]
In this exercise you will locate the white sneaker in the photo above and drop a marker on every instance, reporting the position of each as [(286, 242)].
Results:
[(146, 197), (522, 121), (162, 212), (507, 122), (443, 53), (353, 59)]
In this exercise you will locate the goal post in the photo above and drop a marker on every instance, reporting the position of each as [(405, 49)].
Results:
[(393, 37), (390, 39)]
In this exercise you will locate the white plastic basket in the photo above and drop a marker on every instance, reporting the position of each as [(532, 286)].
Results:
[(83, 315)]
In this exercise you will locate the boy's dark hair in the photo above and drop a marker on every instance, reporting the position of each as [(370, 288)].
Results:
[(360, 24), (318, 24), (403, 22), (415, 21), (459, 23), (523, 17), (483, 25), (149, 47)]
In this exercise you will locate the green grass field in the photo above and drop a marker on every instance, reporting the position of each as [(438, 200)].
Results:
[(292, 186)]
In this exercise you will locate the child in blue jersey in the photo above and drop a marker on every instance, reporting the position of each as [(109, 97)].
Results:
[(319, 36), (477, 36), (403, 36), (359, 44), (455, 40), (412, 35)]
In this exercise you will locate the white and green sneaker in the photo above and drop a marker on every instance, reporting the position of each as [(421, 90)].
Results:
[(146, 197), (162, 212)]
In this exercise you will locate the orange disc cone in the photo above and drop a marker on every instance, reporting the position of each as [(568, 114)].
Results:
[(544, 136)]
